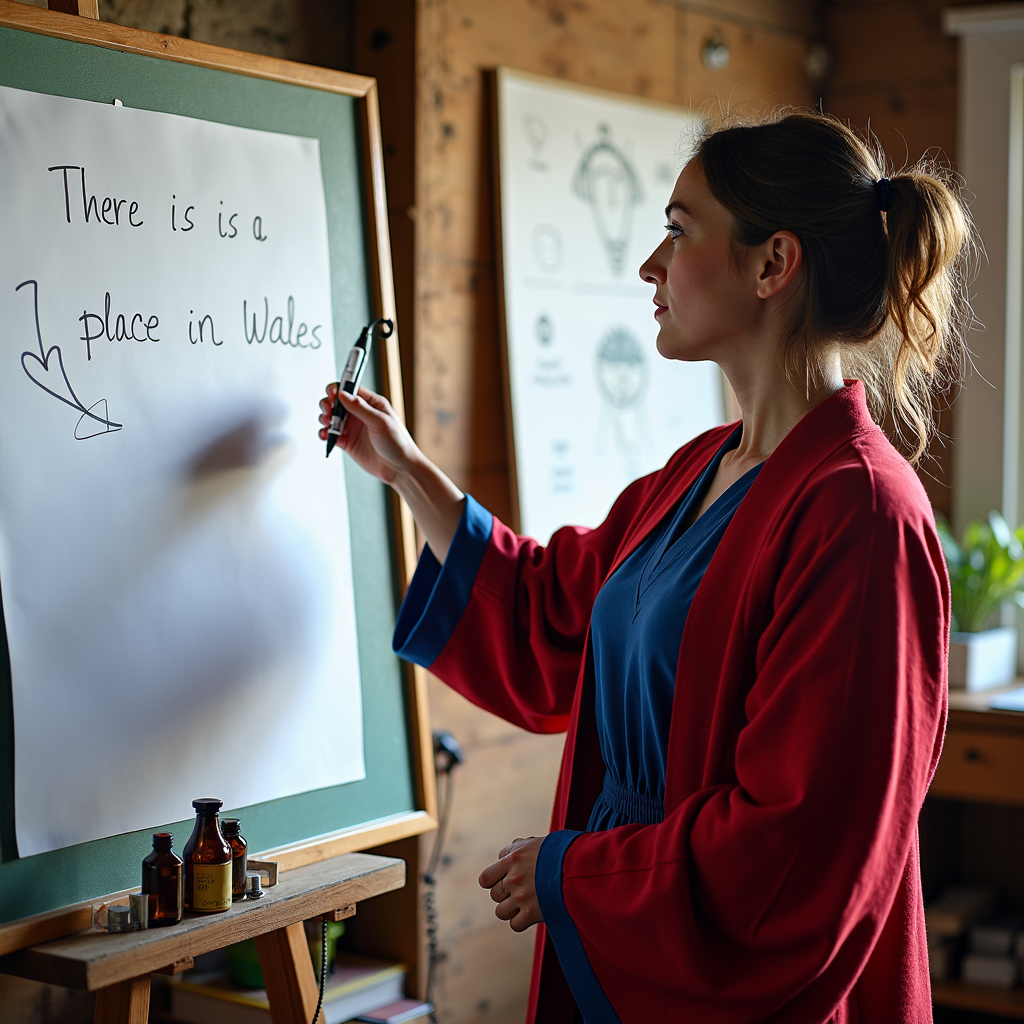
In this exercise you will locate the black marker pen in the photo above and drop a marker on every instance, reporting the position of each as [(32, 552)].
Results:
[(352, 375)]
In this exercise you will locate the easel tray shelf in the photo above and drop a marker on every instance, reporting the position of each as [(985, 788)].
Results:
[(93, 960)]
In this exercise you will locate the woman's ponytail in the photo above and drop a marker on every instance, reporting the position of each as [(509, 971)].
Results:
[(886, 257), (928, 233)]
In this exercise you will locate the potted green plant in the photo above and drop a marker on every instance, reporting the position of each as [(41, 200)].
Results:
[(986, 572)]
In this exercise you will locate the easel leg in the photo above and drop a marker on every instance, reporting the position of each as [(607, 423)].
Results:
[(288, 974), (124, 1003)]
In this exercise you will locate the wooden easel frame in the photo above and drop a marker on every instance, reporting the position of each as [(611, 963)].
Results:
[(78, 21)]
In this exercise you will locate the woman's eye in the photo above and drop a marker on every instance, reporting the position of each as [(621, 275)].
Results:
[(674, 230)]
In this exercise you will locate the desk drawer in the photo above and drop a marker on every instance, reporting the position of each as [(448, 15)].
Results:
[(984, 766)]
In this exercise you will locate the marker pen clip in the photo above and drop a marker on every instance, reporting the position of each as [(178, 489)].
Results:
[(352, 375)]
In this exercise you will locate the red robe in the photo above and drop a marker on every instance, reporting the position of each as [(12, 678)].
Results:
[(810, 703)]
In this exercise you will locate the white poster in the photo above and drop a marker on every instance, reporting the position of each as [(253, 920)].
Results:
[(174, 549), (585, 178)]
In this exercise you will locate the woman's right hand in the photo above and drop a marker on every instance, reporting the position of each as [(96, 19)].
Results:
[(376, 438), (373, 434)]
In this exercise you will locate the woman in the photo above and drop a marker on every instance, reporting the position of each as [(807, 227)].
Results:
[(749, 654)]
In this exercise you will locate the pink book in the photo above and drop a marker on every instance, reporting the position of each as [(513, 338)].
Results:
[(397, 1013)]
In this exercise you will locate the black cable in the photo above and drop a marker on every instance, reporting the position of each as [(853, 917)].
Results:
[(323, 966), (430, 892), (447, 755), (442, 827), (431, 912)]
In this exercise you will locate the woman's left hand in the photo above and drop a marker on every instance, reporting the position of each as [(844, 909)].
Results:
[(511, 881)]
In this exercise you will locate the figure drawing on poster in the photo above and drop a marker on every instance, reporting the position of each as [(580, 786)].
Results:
[(621, 373)]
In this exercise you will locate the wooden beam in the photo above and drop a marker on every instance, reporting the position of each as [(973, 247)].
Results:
[(127, 1002), (288, 975), (83, 8)]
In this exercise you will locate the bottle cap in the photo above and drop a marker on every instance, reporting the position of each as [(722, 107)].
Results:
[(230, 826), (119, 919), (253, 888), (138, 905), (207, 804)]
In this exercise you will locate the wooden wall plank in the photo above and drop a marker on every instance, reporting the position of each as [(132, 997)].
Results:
[(383, 45), (616, 44), (765, 70), (777, 17)]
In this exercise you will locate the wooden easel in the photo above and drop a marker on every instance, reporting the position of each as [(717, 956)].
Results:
[(118, 968)]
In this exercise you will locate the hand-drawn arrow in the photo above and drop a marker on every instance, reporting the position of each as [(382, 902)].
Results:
[(39, 370)]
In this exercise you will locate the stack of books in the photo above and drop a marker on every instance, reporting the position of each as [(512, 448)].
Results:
[(995, 949), (356, 986), (965, 938), (947, 921)]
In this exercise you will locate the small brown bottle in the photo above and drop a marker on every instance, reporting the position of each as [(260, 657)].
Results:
[(163, 880), (207, 862), (231, 827)]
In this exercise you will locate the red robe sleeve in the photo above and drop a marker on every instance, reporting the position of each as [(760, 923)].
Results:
[(761, 897), (508, 625)]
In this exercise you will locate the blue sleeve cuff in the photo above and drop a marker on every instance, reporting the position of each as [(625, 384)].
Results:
[(586, 989), (439, 594)]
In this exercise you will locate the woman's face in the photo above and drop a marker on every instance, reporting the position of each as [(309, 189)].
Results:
[(704, 295)]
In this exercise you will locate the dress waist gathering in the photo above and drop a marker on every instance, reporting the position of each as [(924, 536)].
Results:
[(620, 805)]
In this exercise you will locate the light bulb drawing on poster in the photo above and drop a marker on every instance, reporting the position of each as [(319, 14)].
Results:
[(607, 181), (593, 404), (167, 326)]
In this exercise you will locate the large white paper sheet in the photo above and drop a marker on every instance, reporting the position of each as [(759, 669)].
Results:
[(585, 178), (174, 550)]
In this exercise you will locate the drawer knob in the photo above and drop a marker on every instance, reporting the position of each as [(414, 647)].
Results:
[(971, 754)]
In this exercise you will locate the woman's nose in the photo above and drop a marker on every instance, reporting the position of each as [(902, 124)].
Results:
[(652, 270)]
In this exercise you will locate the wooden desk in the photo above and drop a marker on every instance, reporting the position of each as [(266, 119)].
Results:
[(982, 763), (983, 756), (118, 967)]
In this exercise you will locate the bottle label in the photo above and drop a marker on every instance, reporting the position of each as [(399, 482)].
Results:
[(211, 886)]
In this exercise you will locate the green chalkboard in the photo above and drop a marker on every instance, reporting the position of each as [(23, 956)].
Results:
[(181, 85)]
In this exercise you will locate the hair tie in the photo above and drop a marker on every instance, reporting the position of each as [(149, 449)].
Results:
[(883, 187)]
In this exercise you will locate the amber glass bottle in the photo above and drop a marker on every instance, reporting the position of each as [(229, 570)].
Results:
[(231, 827), (163, 881), (207, 862)]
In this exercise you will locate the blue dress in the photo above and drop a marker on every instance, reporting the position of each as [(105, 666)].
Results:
[(636, 631)]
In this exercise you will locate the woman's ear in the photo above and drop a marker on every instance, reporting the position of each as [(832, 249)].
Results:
[(780, 263)]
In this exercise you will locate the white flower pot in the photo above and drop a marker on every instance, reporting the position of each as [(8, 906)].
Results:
[(982, 661)]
